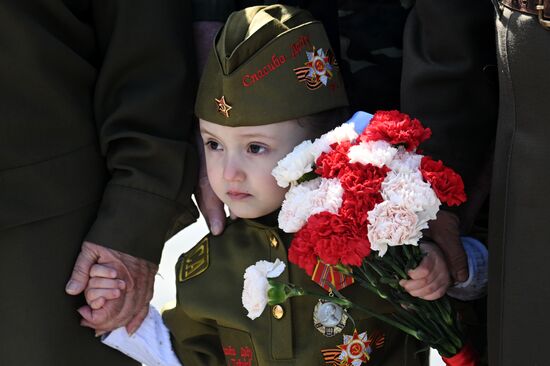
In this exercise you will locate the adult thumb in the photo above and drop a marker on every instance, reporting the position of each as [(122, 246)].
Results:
[(81, 270), (210, 206), (445, 232)]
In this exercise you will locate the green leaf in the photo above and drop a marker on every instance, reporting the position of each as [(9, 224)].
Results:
[(307, 177)]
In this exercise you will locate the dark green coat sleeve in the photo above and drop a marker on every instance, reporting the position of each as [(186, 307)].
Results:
[(449, 84), (194, 342), (143, 111)]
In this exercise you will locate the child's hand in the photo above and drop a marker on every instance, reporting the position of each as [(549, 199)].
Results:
[(102, 286), (431, 279)]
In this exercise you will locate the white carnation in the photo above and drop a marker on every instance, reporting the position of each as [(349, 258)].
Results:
[(309, 198), (377, 153), (294, 165), (255, 285), (345, 132), (409, 190), (391, 225), (405, 162)]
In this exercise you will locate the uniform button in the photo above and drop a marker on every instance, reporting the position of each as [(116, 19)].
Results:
[(278, 312), (274, 242)]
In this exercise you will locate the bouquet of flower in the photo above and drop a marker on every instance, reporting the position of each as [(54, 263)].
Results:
[(357, 205)]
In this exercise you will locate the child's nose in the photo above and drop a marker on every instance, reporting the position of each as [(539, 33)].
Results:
[(232, 170)]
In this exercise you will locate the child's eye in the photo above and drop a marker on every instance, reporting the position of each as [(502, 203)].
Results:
[(213, 145), (256, 149)]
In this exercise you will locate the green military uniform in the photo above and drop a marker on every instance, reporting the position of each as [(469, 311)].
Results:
[(95, 110), (519, 230), (269, 64), (209, 325)]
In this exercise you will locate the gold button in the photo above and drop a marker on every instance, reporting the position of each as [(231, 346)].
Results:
[(274, 242), (278, 312)]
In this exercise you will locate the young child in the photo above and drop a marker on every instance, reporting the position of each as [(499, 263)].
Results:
[(271, 82)]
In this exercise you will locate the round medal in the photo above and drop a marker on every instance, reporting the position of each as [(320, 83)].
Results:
[(329, 318)]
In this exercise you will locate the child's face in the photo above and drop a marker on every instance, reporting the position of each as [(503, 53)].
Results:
[(239, 161)]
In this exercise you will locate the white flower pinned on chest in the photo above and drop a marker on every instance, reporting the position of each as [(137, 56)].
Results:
[(256, 285)]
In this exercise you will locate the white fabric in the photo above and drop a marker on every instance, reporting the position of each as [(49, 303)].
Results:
[(150, 344)]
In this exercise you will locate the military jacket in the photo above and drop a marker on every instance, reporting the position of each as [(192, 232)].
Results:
[(96, 106), (209, 325)]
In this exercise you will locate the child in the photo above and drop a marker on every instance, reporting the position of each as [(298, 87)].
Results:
[(271, 82)]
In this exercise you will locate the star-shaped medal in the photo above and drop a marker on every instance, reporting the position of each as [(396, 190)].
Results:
[(223, 107), (356, 349)]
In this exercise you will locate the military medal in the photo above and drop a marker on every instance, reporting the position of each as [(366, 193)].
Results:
[(329, 318), (356, 349)]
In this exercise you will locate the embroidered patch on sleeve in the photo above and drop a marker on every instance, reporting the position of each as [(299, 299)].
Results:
[(194, 262)]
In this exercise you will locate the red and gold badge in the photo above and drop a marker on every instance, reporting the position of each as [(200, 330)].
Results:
[(223, 107), (356, 349), (318, 69)]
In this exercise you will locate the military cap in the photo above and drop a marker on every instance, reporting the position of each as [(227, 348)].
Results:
[(269, 64)]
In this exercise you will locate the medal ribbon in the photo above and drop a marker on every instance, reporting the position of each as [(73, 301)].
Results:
[(323, 274)]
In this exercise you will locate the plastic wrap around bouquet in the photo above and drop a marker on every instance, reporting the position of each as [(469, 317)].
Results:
[(357, 204)]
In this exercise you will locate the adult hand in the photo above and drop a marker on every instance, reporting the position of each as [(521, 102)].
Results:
[(128, 310), (209, 204), (431, 279), (444, 231)]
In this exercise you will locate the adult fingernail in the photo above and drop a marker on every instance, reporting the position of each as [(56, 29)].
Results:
[(216, 227), (72, 286)]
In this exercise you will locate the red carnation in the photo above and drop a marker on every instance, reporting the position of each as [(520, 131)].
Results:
[(336, 240), (446, 183), (362, 179), (397, 129), (302, 250), (329, 164), (356, 207)]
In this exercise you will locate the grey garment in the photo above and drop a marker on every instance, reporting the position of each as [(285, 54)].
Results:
[(519, 227)]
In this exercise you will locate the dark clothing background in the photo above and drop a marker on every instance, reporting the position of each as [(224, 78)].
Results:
[(449, 83), (95, 111)]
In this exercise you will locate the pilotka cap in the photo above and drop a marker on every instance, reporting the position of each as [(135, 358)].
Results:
[(269, 64)]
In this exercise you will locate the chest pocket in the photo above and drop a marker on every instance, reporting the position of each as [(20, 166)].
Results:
[(237, 347)]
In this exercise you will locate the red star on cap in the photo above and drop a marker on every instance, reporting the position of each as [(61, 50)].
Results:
[(223, 107)]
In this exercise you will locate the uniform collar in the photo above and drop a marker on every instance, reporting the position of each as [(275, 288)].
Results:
[(268, 221)]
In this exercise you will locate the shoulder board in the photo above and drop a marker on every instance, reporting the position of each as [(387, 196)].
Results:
[(194, 262)]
